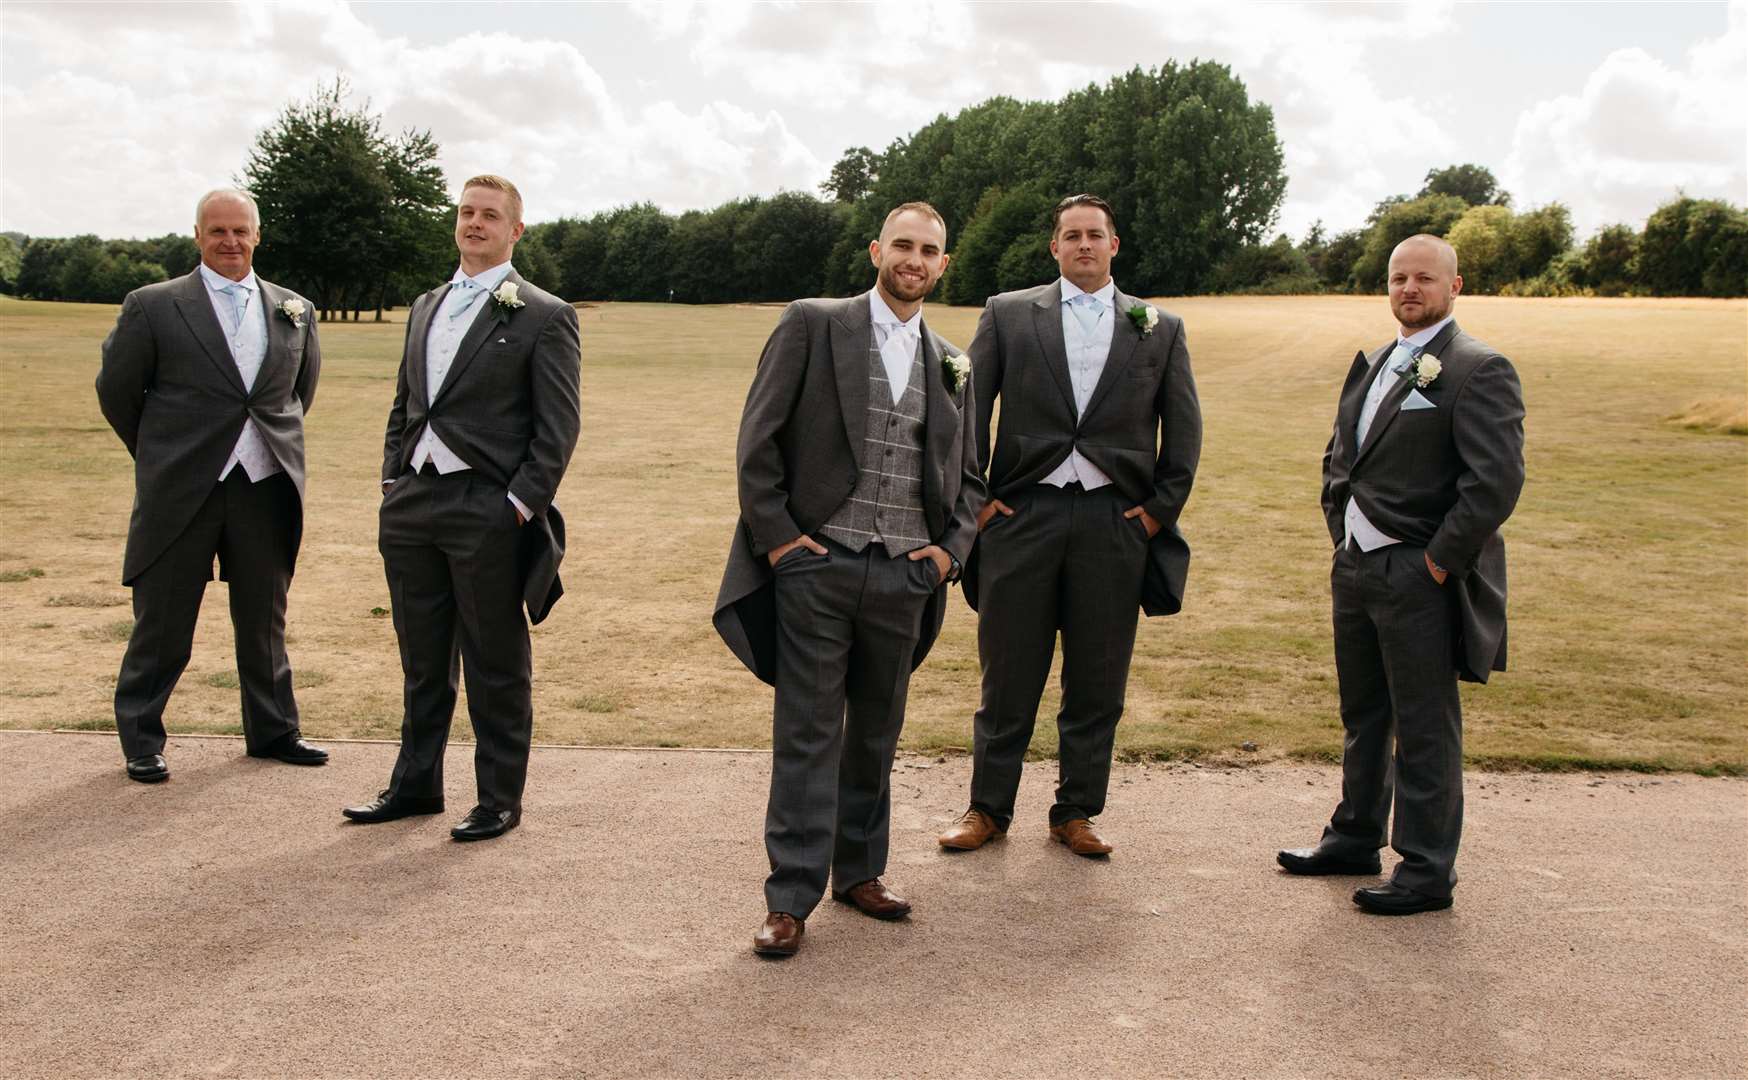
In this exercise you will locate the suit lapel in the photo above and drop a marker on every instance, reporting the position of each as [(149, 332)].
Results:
[(852, 335), (1124, 340), (1047, 321), (485, 322), (279, 332), (1392, 403), (195, 307), (940, 426), (418, 333)]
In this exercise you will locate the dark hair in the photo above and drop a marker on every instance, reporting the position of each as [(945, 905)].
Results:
[(1082, 199)]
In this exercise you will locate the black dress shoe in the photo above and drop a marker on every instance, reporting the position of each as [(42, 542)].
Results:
[(1392, 899), (148, 768), (388, 808), (291, 749), (483, 824), (1317, 861)]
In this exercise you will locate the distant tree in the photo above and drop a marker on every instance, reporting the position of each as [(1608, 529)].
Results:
[(1609, 263), (1474, 184), (781, 246), (1002, 218), (1540, 236), (1334, 259), (853, 175), (635, 261), (1485, 256), (1276, 268), (1434, 214), (416, 241), (11, 257), (177, 253), (1695, 247)]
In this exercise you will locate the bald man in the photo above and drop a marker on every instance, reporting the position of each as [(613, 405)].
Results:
[(1424, 466)]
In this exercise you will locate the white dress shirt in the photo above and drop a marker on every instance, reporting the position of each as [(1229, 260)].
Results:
[(1359, 530), (1086, 362), (242, 318), (450, 323), (897, 339)]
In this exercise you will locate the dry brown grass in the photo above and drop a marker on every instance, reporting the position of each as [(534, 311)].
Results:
[(1715, 416), (1629, 551)]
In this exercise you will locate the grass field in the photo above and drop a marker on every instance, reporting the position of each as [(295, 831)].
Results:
[(1628, 552)]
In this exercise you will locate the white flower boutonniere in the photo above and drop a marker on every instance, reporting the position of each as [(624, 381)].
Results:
[(504, 296), (292, 311), (1145, 317), (954, 369), (1423, 369)]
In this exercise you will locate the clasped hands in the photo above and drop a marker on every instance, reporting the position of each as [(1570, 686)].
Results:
[(943, 561)]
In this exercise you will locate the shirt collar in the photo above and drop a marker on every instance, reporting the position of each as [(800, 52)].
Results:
[(1106, 293), (883, 315), (217, 282), (1420, 337), (485, 279)]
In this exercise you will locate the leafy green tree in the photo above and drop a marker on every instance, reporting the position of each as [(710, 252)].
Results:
[(1275, 268), (11, 258), (853, 174), (1695, 247), (1474, 184), (635, 262), (1540, 236), (1485, 256), (1433, 214), (1610, 260), (1002, 218), (1333, 259)]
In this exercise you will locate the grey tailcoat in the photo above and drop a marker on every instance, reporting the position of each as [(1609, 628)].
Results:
[(1142, 425), (170, 388), (509, 407), (798, 456), (1443, 478)]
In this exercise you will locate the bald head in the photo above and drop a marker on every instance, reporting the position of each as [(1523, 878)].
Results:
[(1423, 281)]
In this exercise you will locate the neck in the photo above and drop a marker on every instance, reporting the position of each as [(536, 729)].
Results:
[(473, 268), (1091, 286), (904, 309), (237, 276)]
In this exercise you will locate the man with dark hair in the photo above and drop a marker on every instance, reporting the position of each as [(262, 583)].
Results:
[(1424, 466), (1097, 449), (485, 417), (859, 495), (207, 379)]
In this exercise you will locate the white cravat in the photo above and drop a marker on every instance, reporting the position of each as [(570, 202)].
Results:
[(245, 329), (897, 341), (1088, 321), (1360, 530)]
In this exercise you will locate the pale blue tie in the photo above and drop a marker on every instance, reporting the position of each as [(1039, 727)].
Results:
[(1087, 308), (470, 292), (239, 298)]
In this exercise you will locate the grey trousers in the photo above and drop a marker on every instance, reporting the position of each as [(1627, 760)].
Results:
[(249, 527), (1395, 661), (1068, 561), (847, 627)]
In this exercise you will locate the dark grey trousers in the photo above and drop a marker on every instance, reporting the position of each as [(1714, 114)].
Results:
[(1395, 661), (450, 546), (847, 627), (249, 528), (1065, 561)]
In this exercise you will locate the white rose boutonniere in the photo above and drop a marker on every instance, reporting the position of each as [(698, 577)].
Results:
[(292, 311), (1423, 368), (504, 296), (1145, 317), (954, 370)]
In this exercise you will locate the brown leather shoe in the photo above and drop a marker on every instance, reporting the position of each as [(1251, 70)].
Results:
[(1080, 838), (780, 936), (873, 898), (971, 832)]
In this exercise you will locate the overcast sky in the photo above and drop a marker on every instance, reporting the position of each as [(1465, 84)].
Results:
[(116, 117)]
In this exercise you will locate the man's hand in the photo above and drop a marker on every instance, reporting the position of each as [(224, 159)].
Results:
[(386, 484), (1438, 572), (521, 518), (1147, 521), (943, 561), (989, 511), (803, 540)]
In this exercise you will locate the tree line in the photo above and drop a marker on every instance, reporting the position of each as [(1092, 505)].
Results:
[(358, 220)]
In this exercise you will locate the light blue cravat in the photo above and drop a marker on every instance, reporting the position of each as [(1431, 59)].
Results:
[(470, 294), (1396, 364), (1087, 309), (239, 298)]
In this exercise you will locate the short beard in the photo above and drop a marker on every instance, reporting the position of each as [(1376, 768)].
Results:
[(890, 281), (1429, 316)]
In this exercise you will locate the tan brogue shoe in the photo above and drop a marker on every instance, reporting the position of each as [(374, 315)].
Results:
[(873, 898), (780, 936), (1080, 838), (971, 832)]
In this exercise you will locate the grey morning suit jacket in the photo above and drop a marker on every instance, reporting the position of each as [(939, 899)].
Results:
[(798, 457), (509, 407), (170, 388), (1142, 426), (1443, 478)]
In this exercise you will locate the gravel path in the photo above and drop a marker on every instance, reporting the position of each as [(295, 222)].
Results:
[(228, 924)]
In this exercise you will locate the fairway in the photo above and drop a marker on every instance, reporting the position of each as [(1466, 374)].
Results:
[(1628, 553)]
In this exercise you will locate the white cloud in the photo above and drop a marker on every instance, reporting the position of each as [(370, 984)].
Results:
[(1637, 130)]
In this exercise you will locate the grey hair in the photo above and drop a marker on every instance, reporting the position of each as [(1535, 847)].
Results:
[(233, 193)]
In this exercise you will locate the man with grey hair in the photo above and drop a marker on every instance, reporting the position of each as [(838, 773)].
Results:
[(1424, 466), (206, 379)]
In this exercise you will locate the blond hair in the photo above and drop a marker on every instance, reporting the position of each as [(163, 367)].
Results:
[(498, 183)]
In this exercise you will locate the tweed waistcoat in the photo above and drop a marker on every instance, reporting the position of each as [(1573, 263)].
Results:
[(887, 503)]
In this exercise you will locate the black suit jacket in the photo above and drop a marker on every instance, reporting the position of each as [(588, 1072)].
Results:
[(170, 388), (1443, 478), (799, 454), (509, 406), (1142, 425)]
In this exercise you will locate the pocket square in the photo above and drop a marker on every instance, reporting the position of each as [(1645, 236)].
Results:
[(503, 341), (1415, 400)]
